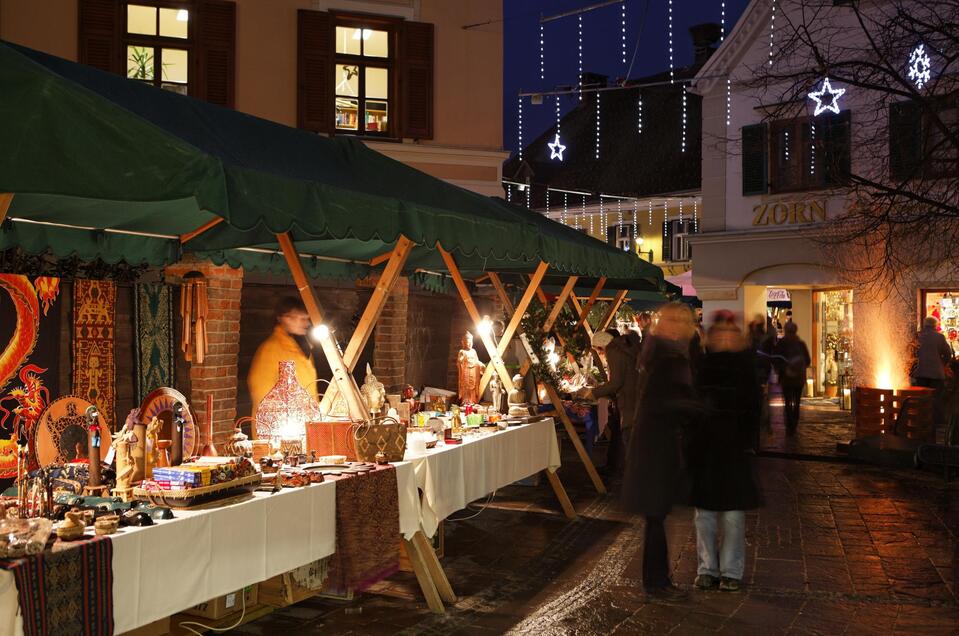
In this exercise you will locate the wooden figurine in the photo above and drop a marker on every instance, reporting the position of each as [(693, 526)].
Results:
[(496, 393), (470, 371), (95, 485), (517, 398), (153, 447), (373, 392), (123, 445)]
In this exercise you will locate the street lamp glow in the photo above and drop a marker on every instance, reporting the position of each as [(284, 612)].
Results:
[(485, 327)]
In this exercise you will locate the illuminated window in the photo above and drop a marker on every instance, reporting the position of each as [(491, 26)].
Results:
[(158, 45), (362, 77)]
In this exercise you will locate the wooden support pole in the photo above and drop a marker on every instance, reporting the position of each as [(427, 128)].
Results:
[(614, 306), (6, 198), (515, 319), (561, 494), (584, 314), (560, 301), (578, 311), (189, 236), (574, 438), (495, 359), (501, 292), (371, 314), (436, 572), (341, 375), (422, 572)]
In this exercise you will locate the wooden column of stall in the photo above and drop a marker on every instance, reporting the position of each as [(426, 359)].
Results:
[(6, 198), (429, 573), (396, 260), (614, 306)]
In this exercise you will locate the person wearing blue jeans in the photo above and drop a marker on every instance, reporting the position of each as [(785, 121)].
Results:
[(721, 451), (729, 561)]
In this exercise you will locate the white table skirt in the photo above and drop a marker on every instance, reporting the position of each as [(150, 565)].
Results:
[(452, 476)]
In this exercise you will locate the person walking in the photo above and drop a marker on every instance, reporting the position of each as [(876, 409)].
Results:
[(762, 340), (792, 361), (619, 355), (655, 468), (721, 452), (932, 356)]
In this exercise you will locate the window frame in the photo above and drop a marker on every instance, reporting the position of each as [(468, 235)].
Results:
[(390, 63), (808, 145), (158, 42)]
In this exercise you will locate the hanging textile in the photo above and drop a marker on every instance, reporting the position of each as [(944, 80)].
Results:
[(193, 311), (94, 372), (153, 325), (29, 362)]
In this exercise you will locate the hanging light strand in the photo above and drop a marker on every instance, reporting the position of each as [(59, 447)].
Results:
[(619, 212), (635, 216), (812, 148), (669, 23), (695, 216), (650, 213), (547, 201), (680, 211), (562, 217), (598, 125), (584, 214), (519, 126), (602, 214), (559, 118), (729, 101), (529, 192), (772, 32), (683, 141), (579, 26), (722, 20), (542, 52), (623, 14), (639, 113)]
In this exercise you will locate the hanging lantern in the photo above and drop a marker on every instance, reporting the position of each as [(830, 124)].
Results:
[(282, 415)]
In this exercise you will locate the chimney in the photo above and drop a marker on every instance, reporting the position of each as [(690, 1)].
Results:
[(594, 80), (706, 38)]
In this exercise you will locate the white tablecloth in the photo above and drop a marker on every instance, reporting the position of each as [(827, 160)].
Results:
[(452, 476)]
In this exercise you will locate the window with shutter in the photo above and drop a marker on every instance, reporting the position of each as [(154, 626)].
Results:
[(314, 71), (157, 44), (416, 84), (99, 34), (754, 161), (837, 150), (905, 140), (216, 52)]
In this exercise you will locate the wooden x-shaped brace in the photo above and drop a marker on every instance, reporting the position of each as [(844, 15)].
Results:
[(6, 198), (496, 359), (341, 374), (515, 313), (554, 396), (583, 312), (374, 308)]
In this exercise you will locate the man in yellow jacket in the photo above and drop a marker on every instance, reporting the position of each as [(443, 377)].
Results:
[(291, 320)]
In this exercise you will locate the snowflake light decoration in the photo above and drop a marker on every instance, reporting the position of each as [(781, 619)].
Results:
[(556, 148), (920, 66), (831, 103)]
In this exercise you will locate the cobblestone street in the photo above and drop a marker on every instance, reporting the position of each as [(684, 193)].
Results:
[(838, 548)]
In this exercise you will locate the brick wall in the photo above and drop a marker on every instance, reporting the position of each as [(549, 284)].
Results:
[(389, 337), (218, 372)]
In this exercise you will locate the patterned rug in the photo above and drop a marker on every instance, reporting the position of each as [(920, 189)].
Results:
[(153, 323), (67, 591), (367, 530), (94, 372), (29, 361)]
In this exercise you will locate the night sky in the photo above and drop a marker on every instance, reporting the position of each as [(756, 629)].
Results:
[(602, 48)]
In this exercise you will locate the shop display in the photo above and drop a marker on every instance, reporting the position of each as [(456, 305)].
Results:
[(194, 311), (123, 452), (834, 341), (107, 524), (496, 392), (201, 481), (206, 438), (385, 436), (20, 537), (332, 437), (73, 526), (470, 371), (283, 413), (239, 444)]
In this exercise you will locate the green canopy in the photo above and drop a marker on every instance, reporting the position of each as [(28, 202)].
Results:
[(94, 151)]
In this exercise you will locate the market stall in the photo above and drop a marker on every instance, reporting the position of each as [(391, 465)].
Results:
[(171, 174)]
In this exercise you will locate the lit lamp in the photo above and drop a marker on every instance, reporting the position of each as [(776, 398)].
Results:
[(282, 415), (846, 399), (810, 388)]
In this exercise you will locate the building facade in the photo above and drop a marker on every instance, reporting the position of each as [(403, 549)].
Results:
[(771, 186)]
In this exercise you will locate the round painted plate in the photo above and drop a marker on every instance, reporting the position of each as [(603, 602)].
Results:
[(159, 404), (62, 434)]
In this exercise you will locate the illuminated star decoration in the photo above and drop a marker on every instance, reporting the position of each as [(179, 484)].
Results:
[(831, 104), (556, 148), (920, 67)]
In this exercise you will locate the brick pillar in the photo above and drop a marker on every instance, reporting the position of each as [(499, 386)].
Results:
[(389, 337), (218, 373)]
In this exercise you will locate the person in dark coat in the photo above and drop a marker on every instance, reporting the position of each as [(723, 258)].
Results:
[(792, 360), (721, 452), (655, 468), (932, 356), (620, 356)]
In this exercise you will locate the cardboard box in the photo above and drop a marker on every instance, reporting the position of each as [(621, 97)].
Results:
[(156, 628), (217, 608), (282, 590)]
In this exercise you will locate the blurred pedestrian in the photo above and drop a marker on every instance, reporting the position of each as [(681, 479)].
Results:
[(619, 357), (656, 475), (792, 360), (721, 453), (762, 341), (932, 356)]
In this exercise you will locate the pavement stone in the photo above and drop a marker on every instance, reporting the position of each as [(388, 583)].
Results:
[(838, 549)]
